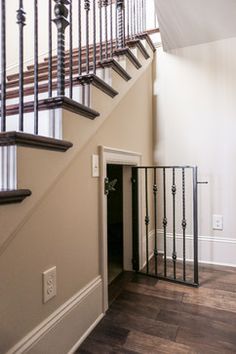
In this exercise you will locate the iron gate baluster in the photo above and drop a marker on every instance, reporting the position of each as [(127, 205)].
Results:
[(155, 190), (174, 254), (147, 221), (195, 223), (164, 221), (135, 217), (184, 224)]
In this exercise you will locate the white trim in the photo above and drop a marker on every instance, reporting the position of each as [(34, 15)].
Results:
[(211, 249), (55, 318), (86, 334), (110, 155), (201, 238)]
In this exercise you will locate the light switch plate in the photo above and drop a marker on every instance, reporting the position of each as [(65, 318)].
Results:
[(217, 222), (95, 165)]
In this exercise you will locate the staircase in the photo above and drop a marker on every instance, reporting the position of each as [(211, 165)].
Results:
[(33, 99)]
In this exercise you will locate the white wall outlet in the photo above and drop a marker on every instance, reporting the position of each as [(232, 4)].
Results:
[(49, 284), (95, 165), (217, 222)]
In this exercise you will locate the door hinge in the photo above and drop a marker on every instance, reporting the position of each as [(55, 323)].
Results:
[(109, 186)]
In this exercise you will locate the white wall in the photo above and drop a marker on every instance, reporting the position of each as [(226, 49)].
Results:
[(195, 105)]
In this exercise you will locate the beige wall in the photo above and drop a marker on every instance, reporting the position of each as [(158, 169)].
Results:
[(62, 228), (195, 108)]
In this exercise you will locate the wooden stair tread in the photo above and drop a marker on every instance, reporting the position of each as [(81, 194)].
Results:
[(14, 196), (97, 82), (33, 141), (53, 103)]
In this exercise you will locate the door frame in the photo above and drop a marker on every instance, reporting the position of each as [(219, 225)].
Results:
[(112, 156)]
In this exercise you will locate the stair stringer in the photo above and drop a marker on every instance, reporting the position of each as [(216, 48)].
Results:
[(32, 163)]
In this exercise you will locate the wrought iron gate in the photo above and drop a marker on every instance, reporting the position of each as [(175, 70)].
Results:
[(165, 222)]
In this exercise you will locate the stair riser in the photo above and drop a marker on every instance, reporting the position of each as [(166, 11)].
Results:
[(8, 168)]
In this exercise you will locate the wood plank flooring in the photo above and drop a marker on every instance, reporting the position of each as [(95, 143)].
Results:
[(150, 316)]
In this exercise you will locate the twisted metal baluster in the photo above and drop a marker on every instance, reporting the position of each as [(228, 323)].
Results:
[(36, 70), (71, 51), (94, 39), (50, 48), (120, 23), (3, 67), (87, 9), (21, 22), (79, 39), (61, 14), (105, 5), (111, 27)]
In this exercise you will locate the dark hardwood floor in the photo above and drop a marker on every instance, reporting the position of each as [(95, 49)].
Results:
[(150, 316)]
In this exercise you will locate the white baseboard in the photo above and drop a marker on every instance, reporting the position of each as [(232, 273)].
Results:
[(68, 326), (211, 250), (85, 335)]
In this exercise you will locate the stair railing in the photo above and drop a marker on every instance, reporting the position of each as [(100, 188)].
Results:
[(82, 33)]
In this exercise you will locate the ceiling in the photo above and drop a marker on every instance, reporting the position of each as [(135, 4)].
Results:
[(185, 23)]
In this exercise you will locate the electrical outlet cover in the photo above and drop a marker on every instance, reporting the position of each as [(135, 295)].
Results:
[(49, 284)]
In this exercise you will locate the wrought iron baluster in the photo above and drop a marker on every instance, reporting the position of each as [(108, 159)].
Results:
[(94, 39), (147, 221), (100, 29), (36, 70), (79, 39), (3, 66), (164, 222), (111, 27), (132, 18), (174, 254), (120, 23), (50, 48), (61, 14), (127, 19), (145, 15), (155, 190), (135, 20), (105, 5), (140, 16), (21, 22), (87, 9), (184, 224), (71, 51), (195, 224)]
